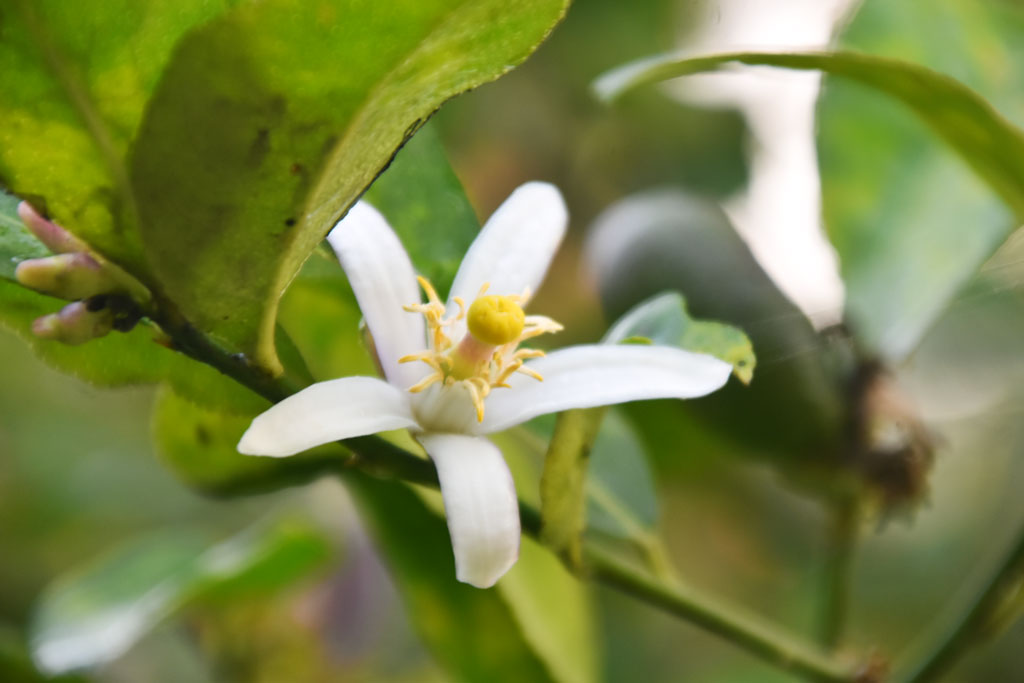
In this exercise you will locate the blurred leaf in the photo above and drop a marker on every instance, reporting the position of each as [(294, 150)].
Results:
[(199, 445), (664, 320), (919, 252), (93, 616), (78, 78), (621, 497), (993, 146), (322, 317), (660, 240), (121, 359), (256, 141), (471, 632), (564, 638), (424, 202), (912, 224), (562, 497), (16, 242)]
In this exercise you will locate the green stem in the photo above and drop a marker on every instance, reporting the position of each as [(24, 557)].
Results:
[(959, 637), (382, 458), (840, 546), (746, 630)]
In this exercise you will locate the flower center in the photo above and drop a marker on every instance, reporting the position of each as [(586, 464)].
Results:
[(495, 320), (487, 354)]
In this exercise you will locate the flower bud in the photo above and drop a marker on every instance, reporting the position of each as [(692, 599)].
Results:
[(74, 324), (57, 239), (68, 276)]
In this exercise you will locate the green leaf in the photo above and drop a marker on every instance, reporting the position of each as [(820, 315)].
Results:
[(118, 359), (424, 202), (564, 638), (621, 499), (16, 242), (664, 320), (471, 632), (199, 444), (993, 146), (78, 78), (910, 222), (270, 122), (910, 233), (95, 615)]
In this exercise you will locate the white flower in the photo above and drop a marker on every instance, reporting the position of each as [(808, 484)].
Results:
[(455, 373)]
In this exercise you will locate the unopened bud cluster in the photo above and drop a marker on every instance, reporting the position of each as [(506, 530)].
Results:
[(99, 302)]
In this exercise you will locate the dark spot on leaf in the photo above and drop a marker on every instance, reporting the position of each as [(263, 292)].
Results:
[(202, 435), (259, 147), (289, 222), (296, 168)]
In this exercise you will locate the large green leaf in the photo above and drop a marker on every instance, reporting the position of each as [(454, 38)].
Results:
[(94, 615), (564, 638), (135, 357), (198, 444), (910, 245), (472, 632), (911, 223), (77, 78), (270, 122), (16, 242)]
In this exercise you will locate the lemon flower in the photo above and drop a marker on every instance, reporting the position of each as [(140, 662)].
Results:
[(455, 371)]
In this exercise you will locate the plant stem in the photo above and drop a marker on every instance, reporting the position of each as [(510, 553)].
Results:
[(841, 543), (748, 631), (379, 457), (957, 638)]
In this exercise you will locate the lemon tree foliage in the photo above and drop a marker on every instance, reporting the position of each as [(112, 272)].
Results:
[(208, 147)]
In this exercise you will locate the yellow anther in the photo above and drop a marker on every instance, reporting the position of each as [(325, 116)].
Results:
[(496, 320), (429, 289)]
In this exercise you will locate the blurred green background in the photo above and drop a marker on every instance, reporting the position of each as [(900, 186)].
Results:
[(739, 514)]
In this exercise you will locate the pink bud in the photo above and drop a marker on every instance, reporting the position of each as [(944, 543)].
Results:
[(68, 276), (75, 324), (56, 238)]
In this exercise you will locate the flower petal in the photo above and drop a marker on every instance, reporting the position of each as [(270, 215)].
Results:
[(515, 247), (325, 412), (382, 277), (602, 374), (480, 503)]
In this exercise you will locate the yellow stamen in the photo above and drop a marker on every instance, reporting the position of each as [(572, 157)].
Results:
[(426, 382), (478, 400), (531, 373), (487, 355)]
